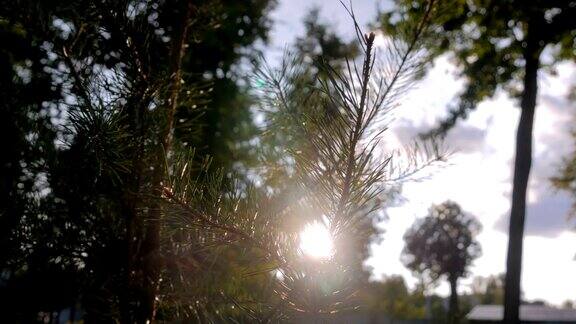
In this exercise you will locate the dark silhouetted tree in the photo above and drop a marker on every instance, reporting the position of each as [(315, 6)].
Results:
[(443, 244), (85, 147), (127, 198)]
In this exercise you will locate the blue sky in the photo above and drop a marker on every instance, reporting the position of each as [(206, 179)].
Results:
[(478, 176)]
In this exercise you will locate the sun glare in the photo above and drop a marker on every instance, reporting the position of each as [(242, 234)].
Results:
[(316, 241)]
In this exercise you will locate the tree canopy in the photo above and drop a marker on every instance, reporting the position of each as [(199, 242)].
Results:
[(442, 244), (487, 40)]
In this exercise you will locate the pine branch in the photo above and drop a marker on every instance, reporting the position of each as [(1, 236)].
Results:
[(355, 137)]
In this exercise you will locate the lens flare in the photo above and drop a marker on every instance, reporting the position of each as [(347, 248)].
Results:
[(316, 241)]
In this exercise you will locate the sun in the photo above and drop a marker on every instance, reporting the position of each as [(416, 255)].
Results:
[(316, 241)]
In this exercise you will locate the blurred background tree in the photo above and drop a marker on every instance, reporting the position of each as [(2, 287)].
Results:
[(391, 297), (222, 55), (489, 290), (443, 244), (498, 45)]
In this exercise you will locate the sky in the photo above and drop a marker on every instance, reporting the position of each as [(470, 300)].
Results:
[(478, 175)]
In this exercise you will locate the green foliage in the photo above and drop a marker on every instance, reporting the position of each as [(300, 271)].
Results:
[(487, 39), (220, 55), (320, 43), (335, 178), (392, 298), (123, 122), (27, 134), (489, 290), (443, 243), (497, 45), (86, 84)]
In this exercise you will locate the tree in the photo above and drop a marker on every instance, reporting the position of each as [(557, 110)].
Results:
[(321, 44), (489, 290), (81, 81), (392, 298), (318, 47), (218, 54), (498, 46), (335, 178), (27, 134), (129, 208), (443, 244)]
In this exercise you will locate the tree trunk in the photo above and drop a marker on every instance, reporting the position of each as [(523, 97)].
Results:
[(453, 307), (522, 165), (150, 250)]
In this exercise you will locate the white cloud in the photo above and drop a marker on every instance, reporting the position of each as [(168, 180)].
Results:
[(549, 268)]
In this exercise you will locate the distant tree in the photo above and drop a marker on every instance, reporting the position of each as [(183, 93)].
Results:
[(443, 244), (392, 297), (489, 290), (219, 53), (498, 45), (437, 309), (320, 43)]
